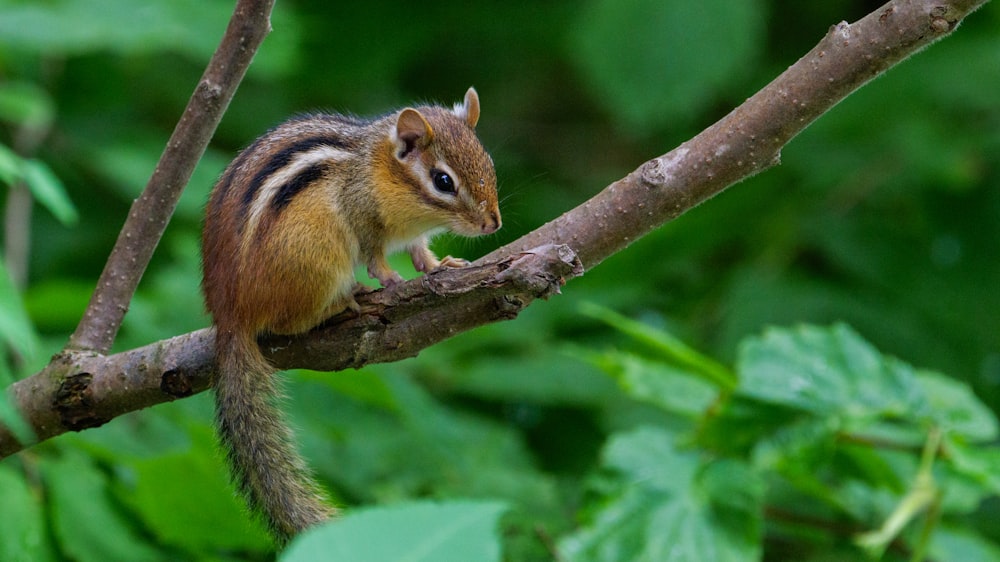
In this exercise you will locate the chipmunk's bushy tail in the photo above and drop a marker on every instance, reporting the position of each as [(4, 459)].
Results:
[(259, 446)]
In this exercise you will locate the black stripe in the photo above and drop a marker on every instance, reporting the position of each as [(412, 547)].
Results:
[(301, 181), (281, 159)]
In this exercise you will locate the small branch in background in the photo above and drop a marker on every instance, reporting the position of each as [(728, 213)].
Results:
[(17, 215), (151, 212), (17, 234)]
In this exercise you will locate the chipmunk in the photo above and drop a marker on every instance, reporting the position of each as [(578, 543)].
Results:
[(286, 224)]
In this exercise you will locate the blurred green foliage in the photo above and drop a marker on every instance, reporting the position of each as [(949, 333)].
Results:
[(605, 438)]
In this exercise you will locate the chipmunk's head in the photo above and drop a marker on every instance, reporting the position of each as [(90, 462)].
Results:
[(448, 174)]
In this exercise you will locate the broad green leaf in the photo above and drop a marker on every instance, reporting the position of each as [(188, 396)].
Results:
[(955, 408), (198, 512), (671, 505), (654, 63), (648, 456), (88, 525), (828, 372), (25, 534), (49, 191), (456, 531)]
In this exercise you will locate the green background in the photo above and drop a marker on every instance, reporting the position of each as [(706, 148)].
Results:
[(884, 215)]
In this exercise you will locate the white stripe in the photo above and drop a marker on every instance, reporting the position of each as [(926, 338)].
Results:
[(271, 185)]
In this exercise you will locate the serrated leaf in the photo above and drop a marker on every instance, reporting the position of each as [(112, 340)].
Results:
[(648, 456), (828, 372), (671, 506), (25, 535), (457, 531), (87, 524)]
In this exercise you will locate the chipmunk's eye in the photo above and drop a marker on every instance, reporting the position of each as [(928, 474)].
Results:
[(442, 181)]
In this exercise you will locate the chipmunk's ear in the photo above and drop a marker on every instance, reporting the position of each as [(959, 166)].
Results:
[(469, 109), (412, 131)]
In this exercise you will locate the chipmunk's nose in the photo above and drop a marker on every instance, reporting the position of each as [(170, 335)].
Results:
[(492, 223)]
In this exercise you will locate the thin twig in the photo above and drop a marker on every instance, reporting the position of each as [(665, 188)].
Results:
[(151, 212)]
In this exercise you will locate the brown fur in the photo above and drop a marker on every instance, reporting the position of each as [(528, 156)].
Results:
[(285, 225)]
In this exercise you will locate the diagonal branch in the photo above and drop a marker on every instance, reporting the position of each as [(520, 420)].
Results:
[(748, 140), (78, 391), (87, 390), (150, 213)]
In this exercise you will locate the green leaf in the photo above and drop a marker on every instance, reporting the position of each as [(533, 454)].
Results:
[(956, 409), (45, 187), (960, 543), (458, 531), (87, 523), (981, 464), (671, 505), (49, 191), (11, 166), (654, 63), (669, 388), (199, 511), (25, 535), (648, 456), (828, 372)]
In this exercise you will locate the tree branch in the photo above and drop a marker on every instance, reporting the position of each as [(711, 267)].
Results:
[(749, 139), (150, 213), (82, 390), (78, 390)]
